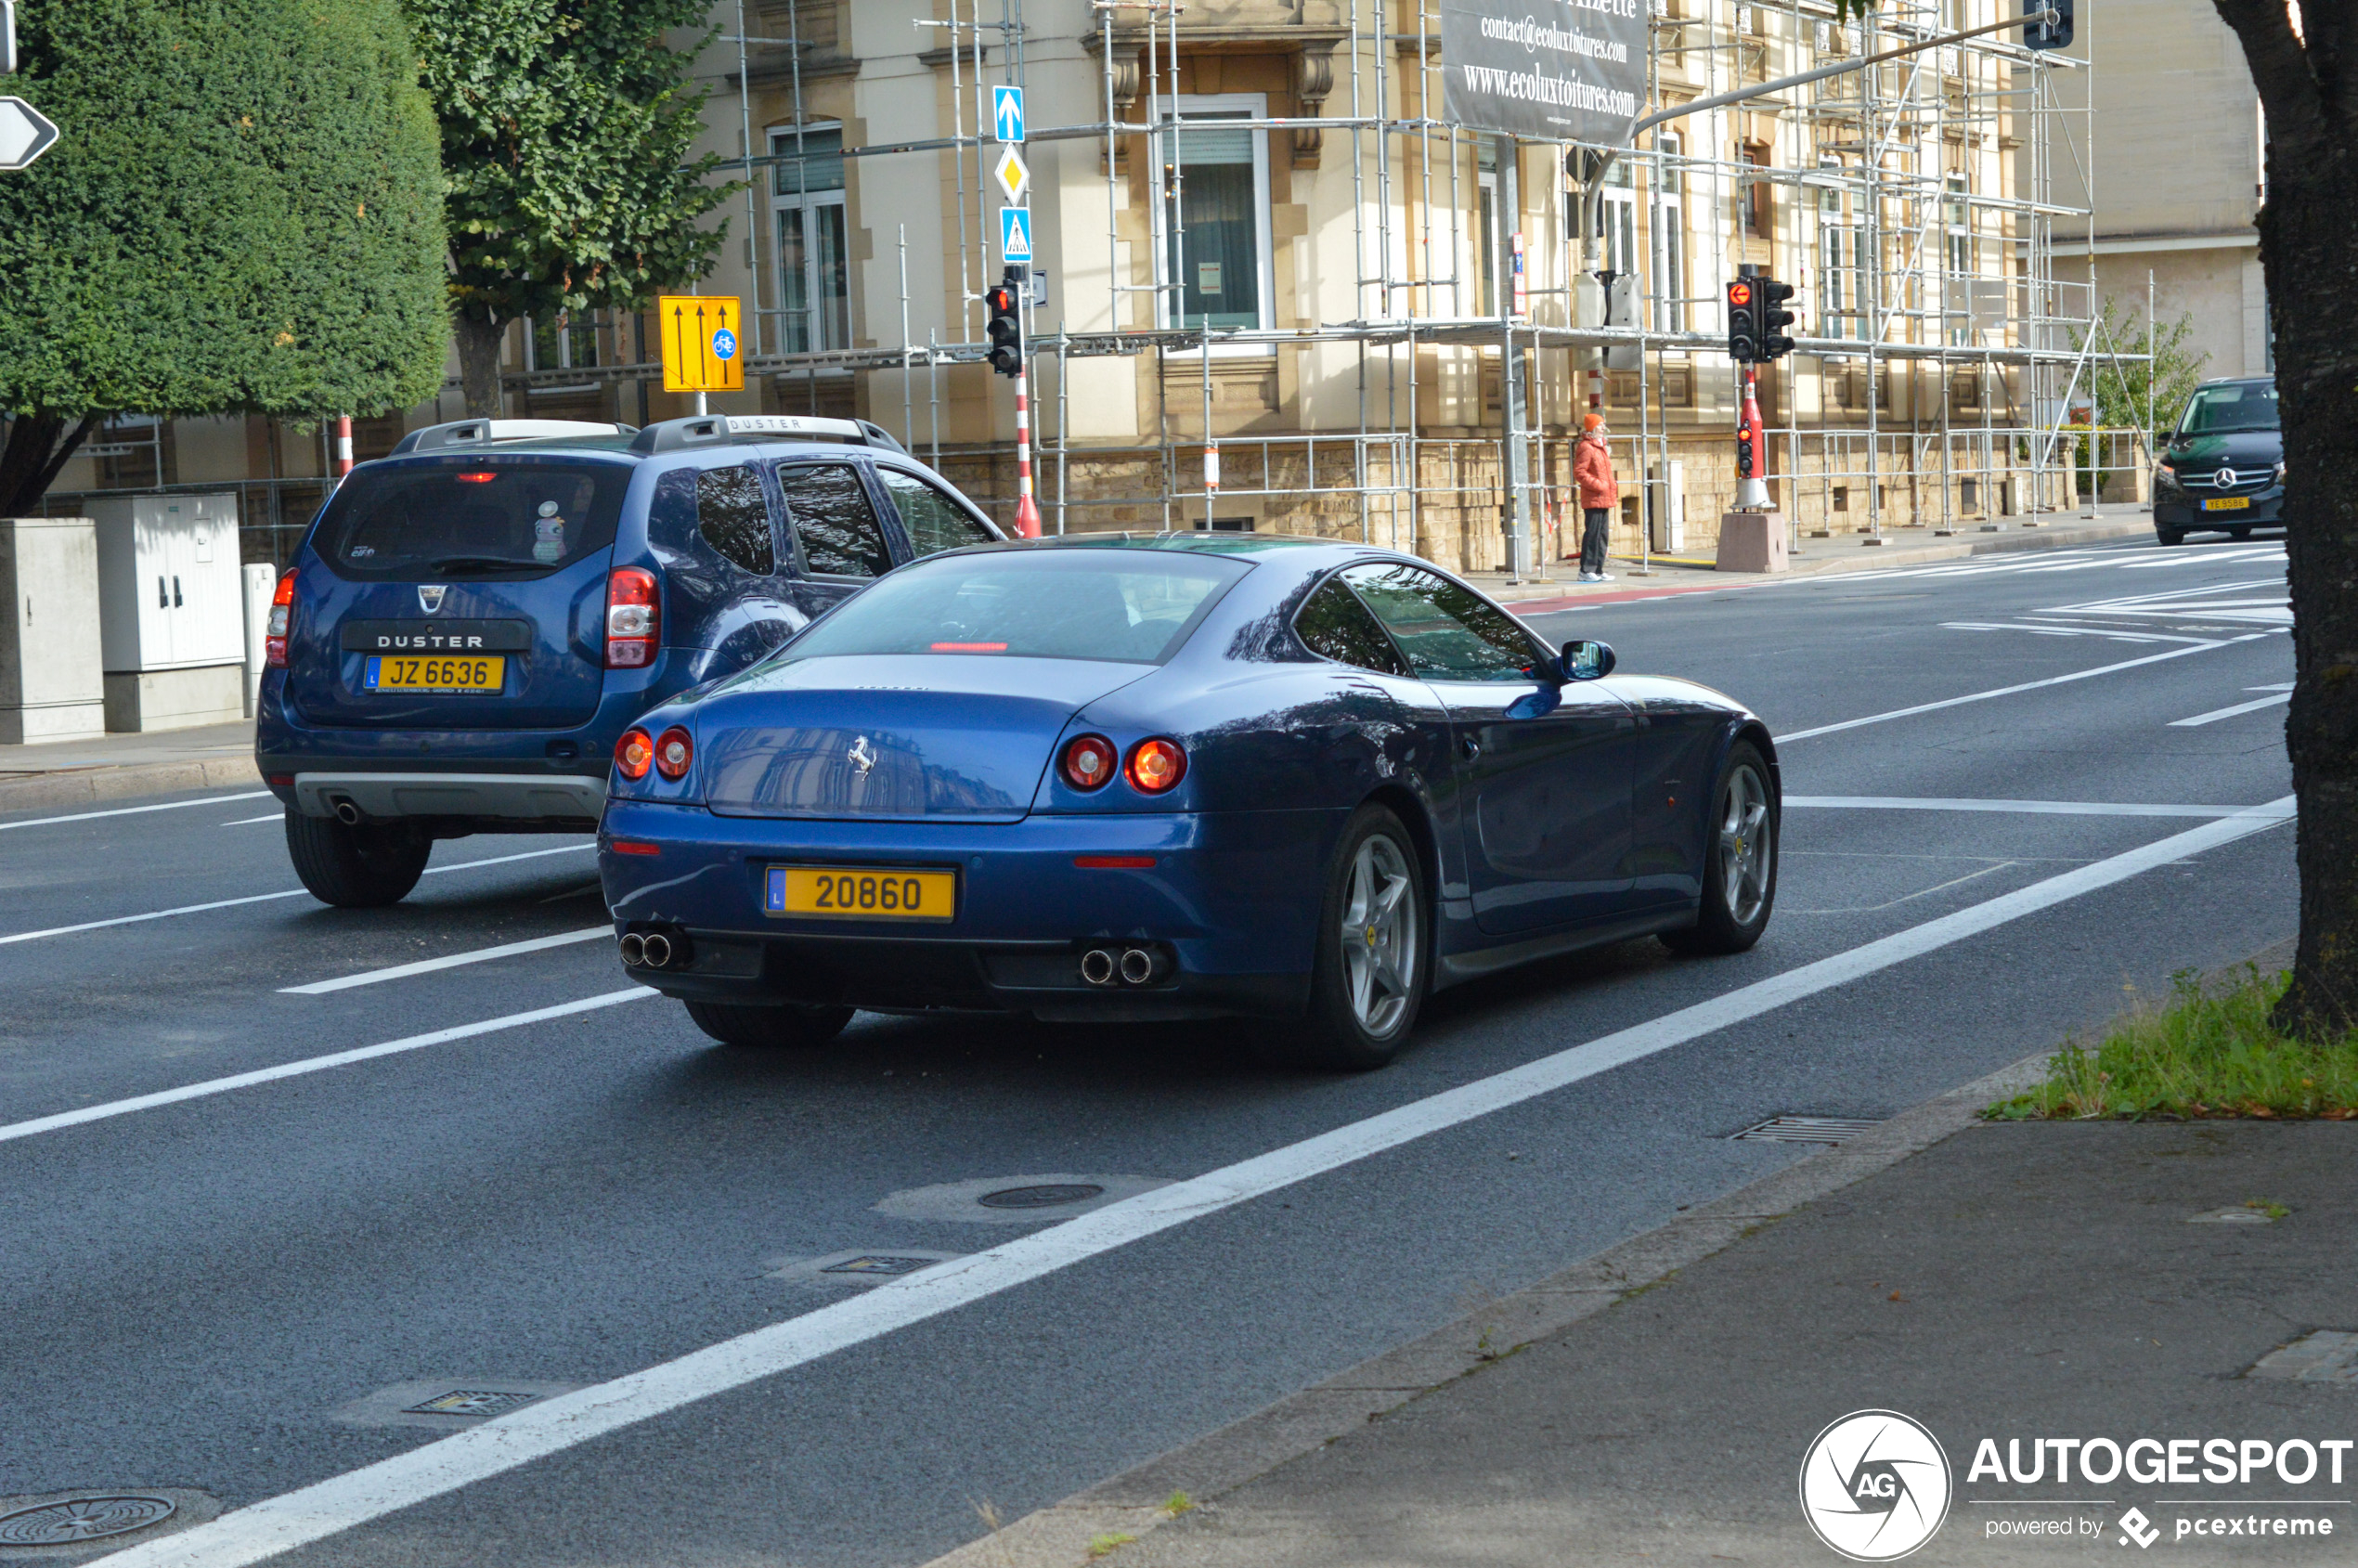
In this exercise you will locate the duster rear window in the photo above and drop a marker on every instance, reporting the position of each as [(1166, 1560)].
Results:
[(484, 517)]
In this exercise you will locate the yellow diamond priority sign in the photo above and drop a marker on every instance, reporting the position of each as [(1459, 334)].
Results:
[(703, 346), (1013, 177)]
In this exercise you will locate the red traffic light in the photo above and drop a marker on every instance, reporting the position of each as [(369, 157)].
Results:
[(1739, 294)]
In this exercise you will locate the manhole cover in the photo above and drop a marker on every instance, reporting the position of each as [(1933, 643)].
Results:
[(471, 1401), (1807, 1130), (81, 1519), (879, 1263), (1041, 1197)]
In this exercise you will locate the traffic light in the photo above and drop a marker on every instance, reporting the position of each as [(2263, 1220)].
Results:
[(1769, 298), (2046, 34), (1005, 298), (1744, 322)]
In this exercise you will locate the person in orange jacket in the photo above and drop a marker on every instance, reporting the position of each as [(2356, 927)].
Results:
[(1600, 493)]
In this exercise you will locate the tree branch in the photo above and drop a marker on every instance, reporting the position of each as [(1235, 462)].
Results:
[(2281, 68)]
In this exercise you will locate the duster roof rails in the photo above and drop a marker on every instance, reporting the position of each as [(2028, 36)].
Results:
[(483, 433), (714, 430)]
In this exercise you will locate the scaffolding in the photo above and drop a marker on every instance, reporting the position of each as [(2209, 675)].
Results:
[(1939, 350)]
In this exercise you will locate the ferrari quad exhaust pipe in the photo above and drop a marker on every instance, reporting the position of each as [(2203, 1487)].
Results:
[(1098, 965), (1107, 966), (1137, 967), (654, 948), (633, 947)]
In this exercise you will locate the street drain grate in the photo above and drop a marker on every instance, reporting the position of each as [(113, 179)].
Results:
[(879, 1263), (1041, 1197), (1807, 1130), (75, 1520), (470, 1402)]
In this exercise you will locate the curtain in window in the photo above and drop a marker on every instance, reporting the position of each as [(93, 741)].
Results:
[(1214, 250)]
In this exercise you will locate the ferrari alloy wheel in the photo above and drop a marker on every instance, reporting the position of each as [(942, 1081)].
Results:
[(1745, 850), (1378, 934), (1740, 859), (1368, 975)]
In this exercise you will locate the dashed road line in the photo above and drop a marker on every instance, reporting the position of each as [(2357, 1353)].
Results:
[(428, 965), (134, 811)]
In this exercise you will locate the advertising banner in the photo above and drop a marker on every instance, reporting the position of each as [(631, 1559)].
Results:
[(1546, 69)]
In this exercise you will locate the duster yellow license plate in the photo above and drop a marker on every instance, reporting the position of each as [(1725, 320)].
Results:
[(839, 893), (434, 672)]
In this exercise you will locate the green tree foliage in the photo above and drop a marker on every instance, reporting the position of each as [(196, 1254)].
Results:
[(243, 212), (565, 132), (2119, 386)]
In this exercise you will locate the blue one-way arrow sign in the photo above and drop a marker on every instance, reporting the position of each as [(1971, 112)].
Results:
[(1007, 112), (1014, 235)]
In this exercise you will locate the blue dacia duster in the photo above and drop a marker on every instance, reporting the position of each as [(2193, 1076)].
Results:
[(472, 623)]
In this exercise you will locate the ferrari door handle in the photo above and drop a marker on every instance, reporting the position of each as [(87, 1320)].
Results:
[(1472, 746)]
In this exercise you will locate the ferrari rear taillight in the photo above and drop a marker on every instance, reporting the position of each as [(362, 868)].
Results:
[(634, 618), (1156, 766), (1088, 761), (634, 753), (274, 642), (673, 751)]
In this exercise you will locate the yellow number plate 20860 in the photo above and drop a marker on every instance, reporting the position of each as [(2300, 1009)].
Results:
[(434, 672), (860, 892)]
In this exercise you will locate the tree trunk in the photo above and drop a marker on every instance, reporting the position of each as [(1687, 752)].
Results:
[(38, 447), (479, 364), (2308, 232)]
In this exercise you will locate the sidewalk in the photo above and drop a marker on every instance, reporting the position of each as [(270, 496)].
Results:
[(1816, 557), (2008, 1281), (115, 766)]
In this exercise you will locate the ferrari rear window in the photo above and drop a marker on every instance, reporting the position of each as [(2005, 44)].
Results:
[(1130, 607), (487, 517)]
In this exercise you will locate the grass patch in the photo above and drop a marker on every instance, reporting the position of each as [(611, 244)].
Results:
[(2206, 1052), (1101, 1546)]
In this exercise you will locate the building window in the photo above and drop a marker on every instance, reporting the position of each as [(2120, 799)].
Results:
[(1486, 225), (1669, 237), (1964, 258), (814, 269), (1214, 188), (1841, 279), (1760, 214)]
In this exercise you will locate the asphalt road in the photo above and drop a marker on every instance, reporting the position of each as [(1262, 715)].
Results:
[(237, 1292)]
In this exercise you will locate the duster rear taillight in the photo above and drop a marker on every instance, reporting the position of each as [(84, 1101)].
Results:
[(634, 618), (274, 641)]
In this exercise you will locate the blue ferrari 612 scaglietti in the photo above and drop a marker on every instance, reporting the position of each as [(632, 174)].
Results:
[(1122, 777)]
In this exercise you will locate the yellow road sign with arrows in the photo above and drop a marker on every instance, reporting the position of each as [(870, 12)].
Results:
[(704, 347)]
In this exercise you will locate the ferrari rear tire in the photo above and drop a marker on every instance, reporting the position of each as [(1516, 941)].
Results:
[(768, 1029), (365, 866), (1740, 859), (1375, 944)]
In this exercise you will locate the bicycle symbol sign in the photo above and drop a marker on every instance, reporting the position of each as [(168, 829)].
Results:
[(725, 344)]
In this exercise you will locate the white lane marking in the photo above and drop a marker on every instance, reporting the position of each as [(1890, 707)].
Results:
[(1999, 692), (266, 897), (2216, 714), (2108, 633), (134, 811), (504, 1443), (427, 965), (249, 822), (211, 1086), (2030, 808), (2279, 686)]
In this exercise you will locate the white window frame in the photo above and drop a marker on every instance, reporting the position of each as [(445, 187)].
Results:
[(1840, 256), (1489, 269), (815, 319), (1250, 106), (1668, 247)]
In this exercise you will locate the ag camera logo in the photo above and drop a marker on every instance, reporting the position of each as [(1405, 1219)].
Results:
[(1875, 1486)]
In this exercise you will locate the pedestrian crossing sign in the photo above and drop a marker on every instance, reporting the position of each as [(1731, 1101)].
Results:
[(1014, 235)]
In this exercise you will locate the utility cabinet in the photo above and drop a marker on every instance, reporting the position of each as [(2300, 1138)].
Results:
[(171, 610), (49, 680)]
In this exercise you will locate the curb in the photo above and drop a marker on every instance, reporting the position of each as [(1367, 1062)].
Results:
[(84, 785), (1132, 1503)]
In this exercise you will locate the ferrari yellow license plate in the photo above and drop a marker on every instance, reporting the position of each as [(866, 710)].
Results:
[(860, 892), (2227, 503), (434, 672)]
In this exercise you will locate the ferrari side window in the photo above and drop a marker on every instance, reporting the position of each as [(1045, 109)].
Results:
[(1448, 632), (1337, 626)]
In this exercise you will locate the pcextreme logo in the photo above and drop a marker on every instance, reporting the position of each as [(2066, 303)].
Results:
[(1875, 1486)]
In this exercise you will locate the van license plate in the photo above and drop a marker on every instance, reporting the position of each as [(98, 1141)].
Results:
[(433, 672), (844, 892), (2227, 503)]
